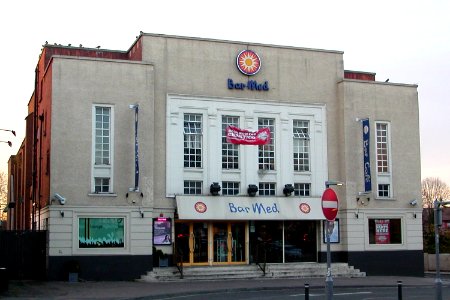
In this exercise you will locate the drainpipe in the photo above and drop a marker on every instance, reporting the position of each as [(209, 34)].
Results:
[(34, 157)]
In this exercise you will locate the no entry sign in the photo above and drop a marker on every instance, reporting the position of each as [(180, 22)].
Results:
[(329, 204)]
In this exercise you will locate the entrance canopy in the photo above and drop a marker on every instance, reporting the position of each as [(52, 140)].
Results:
[(248, 208)]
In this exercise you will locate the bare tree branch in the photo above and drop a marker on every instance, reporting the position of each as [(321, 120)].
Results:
[(3, 192), (433, 188)]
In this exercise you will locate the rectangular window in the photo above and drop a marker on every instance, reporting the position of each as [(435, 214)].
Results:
[(266, 153), (192, 187), (193, 141), (101, 185), (102, 149), (301, 145), (102, 135), (230, 188), (384, 191), (267, 189), (230, 152), (101, 233), (382, 144), (302, 189), (385, 231)]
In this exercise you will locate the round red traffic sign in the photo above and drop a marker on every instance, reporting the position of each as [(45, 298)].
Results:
[(330, 204)]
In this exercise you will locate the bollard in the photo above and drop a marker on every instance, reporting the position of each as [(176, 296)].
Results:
[(399, 287), (306, 291)]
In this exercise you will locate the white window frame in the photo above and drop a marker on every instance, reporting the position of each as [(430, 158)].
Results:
[(197, 133), (100, 251), (267, 189), (301, 141), (229, 187), (193, 186), (384, 178), (300, 189), (392, 215), (229, 146), (268, 152), (103, 170)]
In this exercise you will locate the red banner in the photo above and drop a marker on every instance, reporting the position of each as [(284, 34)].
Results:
[(246, 137)]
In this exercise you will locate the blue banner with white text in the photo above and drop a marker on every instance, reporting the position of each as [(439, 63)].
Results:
[(136, 150), (366, 153)]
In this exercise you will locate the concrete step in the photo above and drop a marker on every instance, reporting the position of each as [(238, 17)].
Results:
[(289, 270)]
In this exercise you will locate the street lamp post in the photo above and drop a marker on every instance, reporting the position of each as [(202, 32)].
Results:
[(12, 131), (329, 228), (329, 278), (437, 223)]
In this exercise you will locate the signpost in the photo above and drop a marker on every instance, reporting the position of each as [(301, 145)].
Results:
[(437, 225), (330, 209)]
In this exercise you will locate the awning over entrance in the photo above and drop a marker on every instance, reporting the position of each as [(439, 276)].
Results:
[(248, 208)]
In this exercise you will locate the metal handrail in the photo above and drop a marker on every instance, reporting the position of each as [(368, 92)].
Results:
[(261, 254), (178, 259)]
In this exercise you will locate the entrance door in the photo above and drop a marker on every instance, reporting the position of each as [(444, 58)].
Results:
[(228, 242), (201, 243), (192, 242)]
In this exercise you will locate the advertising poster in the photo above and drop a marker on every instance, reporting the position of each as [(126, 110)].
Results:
[(162, 231), (382, 235), (334, 235)]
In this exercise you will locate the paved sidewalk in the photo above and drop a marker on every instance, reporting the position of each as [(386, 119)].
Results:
[(156, 290)]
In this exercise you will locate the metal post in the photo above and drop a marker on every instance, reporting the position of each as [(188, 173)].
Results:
[(399, 288), (306, 291), (329, 279), (438, 280)]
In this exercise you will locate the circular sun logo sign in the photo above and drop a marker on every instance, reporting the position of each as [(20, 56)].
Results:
[(248, 62), (305, 208), (200, 207)]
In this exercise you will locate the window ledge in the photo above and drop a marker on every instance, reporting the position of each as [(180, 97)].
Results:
[(385, 199), (102, 194)]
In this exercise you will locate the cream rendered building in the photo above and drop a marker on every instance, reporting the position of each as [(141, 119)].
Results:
[(184, 92)]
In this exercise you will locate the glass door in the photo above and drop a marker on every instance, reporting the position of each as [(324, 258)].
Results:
[(238, 242), (182, 240), (220, 242), (192, 242), (200, 242), (203, 242), (229, 242)]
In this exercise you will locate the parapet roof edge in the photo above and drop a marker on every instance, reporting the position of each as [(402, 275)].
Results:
[(415, 85), (234, 42)]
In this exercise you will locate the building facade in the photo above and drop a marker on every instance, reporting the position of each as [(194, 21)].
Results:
[(128, 152)]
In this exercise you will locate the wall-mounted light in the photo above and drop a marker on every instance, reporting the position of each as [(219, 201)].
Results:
[(415, 215), (215, 188), (141, 212), (329, 183), (252, 190), (413, 202), (361, 196), (61, 213), (356, 215), (288, 189)]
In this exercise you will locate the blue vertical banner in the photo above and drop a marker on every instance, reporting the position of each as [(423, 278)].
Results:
[(136, 149), (366, 153)]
